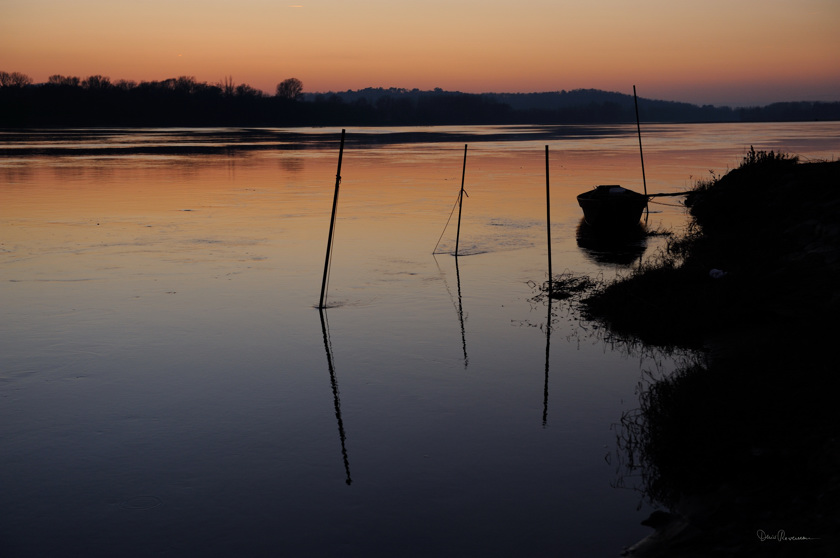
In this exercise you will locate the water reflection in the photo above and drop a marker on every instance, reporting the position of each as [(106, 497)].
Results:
[(336, 399), (601, 247), (292, 165), (461, 313), (547, 361), (459, 462), (459, 306)]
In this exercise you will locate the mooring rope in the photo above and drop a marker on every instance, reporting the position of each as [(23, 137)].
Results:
[(451, 213), (668, 204)]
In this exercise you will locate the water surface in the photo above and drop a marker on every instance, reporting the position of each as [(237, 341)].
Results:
[(168, 387)]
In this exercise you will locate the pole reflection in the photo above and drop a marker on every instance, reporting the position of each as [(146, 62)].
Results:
[(547, 359), (336, 399), (459, 306), (461, 313)]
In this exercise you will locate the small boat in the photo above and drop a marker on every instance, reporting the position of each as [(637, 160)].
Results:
[(611, 207)]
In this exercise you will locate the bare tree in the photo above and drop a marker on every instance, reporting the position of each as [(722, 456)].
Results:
[(227, 86), (186, 84), (124, 85), (14, 79), (96, 82), (291, 89), (58, 79)]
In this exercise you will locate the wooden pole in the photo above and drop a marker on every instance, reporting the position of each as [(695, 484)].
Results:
[(548, 218), (461, 201), (639, 131), (321, 304)]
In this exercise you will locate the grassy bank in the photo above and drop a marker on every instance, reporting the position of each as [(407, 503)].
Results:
[(747, 440), (770, 227)]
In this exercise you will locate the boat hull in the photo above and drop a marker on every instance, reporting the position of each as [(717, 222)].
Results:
[(612, 207)]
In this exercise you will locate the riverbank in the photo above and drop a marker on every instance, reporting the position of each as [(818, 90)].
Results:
[(745, 441)]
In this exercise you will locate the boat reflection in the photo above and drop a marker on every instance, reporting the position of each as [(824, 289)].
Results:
[(337, 401), (612, 247)]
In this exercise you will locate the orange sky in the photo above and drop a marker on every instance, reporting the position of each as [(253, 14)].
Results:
[(722, 52)]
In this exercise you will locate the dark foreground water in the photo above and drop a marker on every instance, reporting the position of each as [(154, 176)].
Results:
[(168, 388)]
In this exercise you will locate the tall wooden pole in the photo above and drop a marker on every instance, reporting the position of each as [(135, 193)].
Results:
[(321, 304), (548, 218), (639, 131), (461, 201)]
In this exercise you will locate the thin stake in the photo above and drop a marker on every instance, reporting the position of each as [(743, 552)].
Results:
[(548, 218), (321, 304), (461, 201), (641, 153)]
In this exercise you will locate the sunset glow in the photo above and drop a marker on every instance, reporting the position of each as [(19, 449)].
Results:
[(713, 52)]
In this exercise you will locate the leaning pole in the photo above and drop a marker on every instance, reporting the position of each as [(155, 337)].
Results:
[(322, 303)]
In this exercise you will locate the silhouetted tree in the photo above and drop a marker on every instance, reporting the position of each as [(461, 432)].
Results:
[(184, 85), (245, 90), (227, 86), (124, 85), (66, 81), (96, 82), (290, 89), (14, 79)]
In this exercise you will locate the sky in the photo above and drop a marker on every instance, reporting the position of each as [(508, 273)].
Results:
[(717, 52)]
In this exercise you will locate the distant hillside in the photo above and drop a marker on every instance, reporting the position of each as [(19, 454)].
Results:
[(587, 106), (579, 104), (596, 104)]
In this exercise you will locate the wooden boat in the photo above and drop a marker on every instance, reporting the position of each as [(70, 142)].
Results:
[(612, 207)]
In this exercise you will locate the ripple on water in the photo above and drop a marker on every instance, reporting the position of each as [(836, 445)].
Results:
[(140, 503)]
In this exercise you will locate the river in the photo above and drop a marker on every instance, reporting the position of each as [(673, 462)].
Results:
[(168, 386)]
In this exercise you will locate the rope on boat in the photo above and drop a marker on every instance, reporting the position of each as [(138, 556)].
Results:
[(668, 204), (667, 194)]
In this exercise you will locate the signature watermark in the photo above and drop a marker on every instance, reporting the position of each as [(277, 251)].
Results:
[(780, 536)]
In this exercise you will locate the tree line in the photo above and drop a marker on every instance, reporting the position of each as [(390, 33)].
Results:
[(184, 101)]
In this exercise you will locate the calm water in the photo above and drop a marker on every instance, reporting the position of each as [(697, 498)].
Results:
[(168, 388)]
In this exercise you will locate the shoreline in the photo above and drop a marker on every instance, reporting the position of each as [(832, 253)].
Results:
[(743, 441)]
